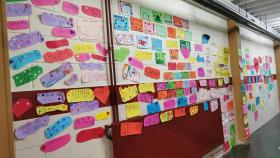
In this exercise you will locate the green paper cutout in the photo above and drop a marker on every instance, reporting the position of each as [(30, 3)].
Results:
[(121, 54), (15, 0), (185, 75), (161, 30), (160, 58), (188, 35), (185, 44), (179, 93), (146, 13), (157, 17), (232, 142), (253, 107), (27, 75), (168, 19), (232, 129), (170, 85)]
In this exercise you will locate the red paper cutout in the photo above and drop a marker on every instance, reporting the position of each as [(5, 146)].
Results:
[(57, 43), (98, 57), (136, 24), (90, 134), (59, 55), (256, 64), (171, 66), (152, 73), (192, 74), (177, 21), (131, 128), (102, 94), (162, 95), (179, 112), (21, 106), (91, 11), (230, 105)]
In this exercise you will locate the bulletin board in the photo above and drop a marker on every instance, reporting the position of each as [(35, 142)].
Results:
[(161, 68)]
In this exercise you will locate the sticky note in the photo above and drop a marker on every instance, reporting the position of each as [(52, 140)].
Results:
[(84, 48), (80, 95), (193, 110), (133, 109), (131, 128), (128, 93), (146, 87), (172, 44), (153, 108), (166, 116), (102, 115), (121, 54)]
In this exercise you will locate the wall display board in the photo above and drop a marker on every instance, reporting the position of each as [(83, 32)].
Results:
[(161, 70), (59, 77)]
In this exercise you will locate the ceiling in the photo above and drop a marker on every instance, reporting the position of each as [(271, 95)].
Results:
[(268, 11)]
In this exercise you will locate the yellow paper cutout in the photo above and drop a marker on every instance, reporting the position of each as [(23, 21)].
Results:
[(128, 93), (102, 115), (146, 87), (172, 44), (192, 59), (193, 110), (181, 33), (142, 55), (84, 48), (133, 109), (244, 99), (166, 116), (222, 55), (220, 82), (80, 95), (40, 110)]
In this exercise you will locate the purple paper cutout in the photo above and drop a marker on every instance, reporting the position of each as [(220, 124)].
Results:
[(19, 9), (51, 97), (145, 97), (71, 80), (82, 107), (25, 40), (151, 120), (91, 66), (169, 104), (56, 20), (161, 86), (31, 127)]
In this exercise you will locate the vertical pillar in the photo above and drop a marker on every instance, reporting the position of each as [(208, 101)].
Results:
[(234, 46), (6, 122), (276, 45)]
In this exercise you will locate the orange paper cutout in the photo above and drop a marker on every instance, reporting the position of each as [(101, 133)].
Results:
[(181, 66), (171, 32), (180, 112), (230, 105), (174, 54), (162, 95), (136, 24), (177, 21), (168, 76), (178, 84), (192, 74), (102, 94), (152, 73), (131, 128)]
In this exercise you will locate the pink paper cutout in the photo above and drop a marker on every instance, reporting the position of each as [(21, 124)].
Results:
[(82, 57), (63, 32), (200, 72), (84, 122), (18, 25), (45, 2), (214, 105), (56, 143), (193, 99), (169, 104), (101, 49), (212, 83), (70, 8), (151, 120), (145, 97), (185, 52), (91, 11), (136, 63)]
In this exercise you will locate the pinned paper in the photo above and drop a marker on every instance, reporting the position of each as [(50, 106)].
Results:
[(102, 115), (136, 24), (146, 87), (63, 32), (214, 105), (91, 11), (70, 8), (102, 94), (58, 55), (18, 9), (168, 19), (145, 97), (172, 44), (161, 30), (27, 75), (84, 48), (80, 95), (82, 57), (90, 134), (124, 38), (182, 101), (84, 122), (193, 99), (125, 9), (21, 106), (152, 73), (19, 61), (121, 23), (161, 86), (153, 108), (179, 112), (203, 83), (157, 17), (151, 120), (57, 127), (171, 32), (205, 106), (160, 58), (121, 54), (130, 73), (101, 49), (174, 56), (149, 28), (193, 110), (40, 110), (55, 144), (44, 2), (177, 21), (131, 128), (128, 93), (25, 40), (230, 105), (91, 76), (133, 109), (142, 55), (143, 42), (212, 83), (181, 33), (156, 44), (146, 13), (169, 104), (162, 95), (18, 25), (56, 20), (166, 116)]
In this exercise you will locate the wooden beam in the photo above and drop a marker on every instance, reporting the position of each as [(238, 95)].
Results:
[(234, 47), (276, 45), (6, 118)]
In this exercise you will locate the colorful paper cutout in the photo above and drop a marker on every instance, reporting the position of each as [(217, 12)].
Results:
[(102, 115), (131, 128), (89, 134), (121, 54), (153, 108), (160, 58), (142, 42), (18, 25), (166, 116), (161, 30), (27, 75), (58, 55), (179, 112), (157, 17), (124, 39), (145, 97), (63, 32), (128, 93), (57, 43), (152, 73), (56, 20), (91, 11), (41, 110), (146, 13), (136, 24), (146, 87), (133, 109), (18, 9), (156, 44), (143, 55), (55, 144), (125, 9), (80, 95), (21, 106), (130, 73), (89, 30), (136, 63), (149, 27), (151, 120), (17, 62), (70, 8), (121, 23), (84, 122), (57, 127), (193, 110), (45, 2), (25, 40)]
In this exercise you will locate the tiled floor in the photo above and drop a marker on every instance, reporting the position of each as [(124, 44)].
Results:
[(264, 143)]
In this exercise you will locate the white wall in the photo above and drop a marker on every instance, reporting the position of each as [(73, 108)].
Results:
[(261, 46)]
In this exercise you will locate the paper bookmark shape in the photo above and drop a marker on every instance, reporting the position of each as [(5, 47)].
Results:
[(71, 80), (25, 40), (58, 56), (80, 95), (70, 8), (102, 50), (18, 25), (27, 75), (102, 94), (152, 73), (91, 11), (77, 108), (102, 115), (91, 66), (151, 120), (31, 127), (82, 57), (21, 106), (51, 97), (90, 134), (45, 2), (56, 143), (57, 127), (41, 110), (135, 62), (56, 20), (131, 128), (57, 43), (98, 57), (84, 122), (56, 75), (63, 32), (19, 61), (19, 9), (91, 76)]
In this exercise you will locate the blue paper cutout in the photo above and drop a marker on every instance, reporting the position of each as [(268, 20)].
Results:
[(153, 108), (205, 38), (200, 59), (205, 106), (156, 44), (243, 88), (257, 100), (182, 101), (121, 23), (57, 127), (177, 75), (185, 84), (19, 61)]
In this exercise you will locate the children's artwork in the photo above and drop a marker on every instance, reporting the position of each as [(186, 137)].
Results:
[(25, 40), (27, 75), (143, 55), (151, 120), (17, 62), (171, 32), (131, 128), (133, 109), (130, 73), (166, 116), (55, 144), (125, 9), (21, 106), (63, 32), (181, 33), (172, 44), (136, 63), (160, 58), (149, 27), (205, 38), (161, 30), (168, 19), (18, 9), (156, 44), (177, 21), (91, 11), (193, 110), (44, 2), (179, 112), (80, 95), (41, 110), (57, 127), (18, 25), (102, 115), (89, 30), (57, 43), (58, 55), (125, 39), (90, 134), (143, 42), (70, 8), (174, 55), (121, 54), (81, 107), (121, 23), (153, 108), (146, 87), (56, 20), (152, 73), (157, 17), (128, 93), (136, 24)]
